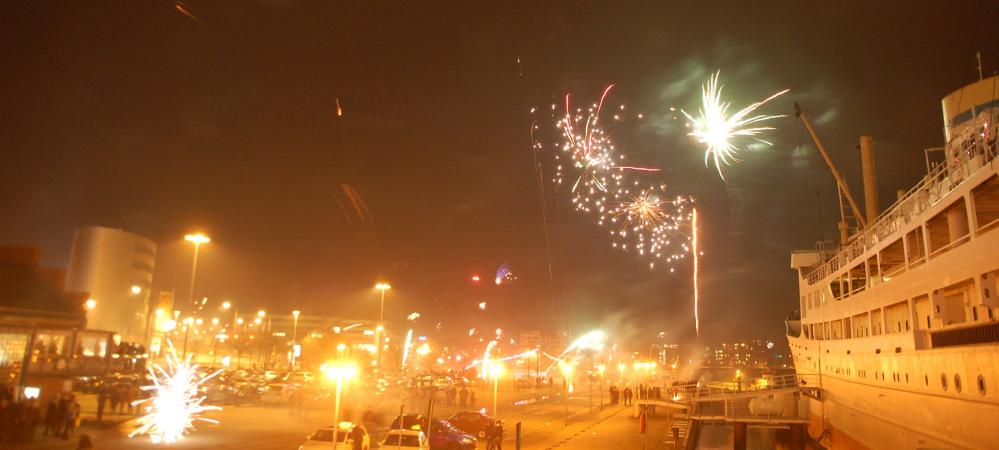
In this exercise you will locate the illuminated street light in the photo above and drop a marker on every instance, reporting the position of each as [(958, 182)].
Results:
[(338, 372), (226, 305), (495, 371), (257, 320), (261, 313), (382, 287), (567, 370), (197, 240), (136, 290), (294, 336), (90, 304), (601, 369)]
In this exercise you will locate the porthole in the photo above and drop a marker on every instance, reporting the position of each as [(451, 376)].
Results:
[(981, 385), (926, 379), (906, 378), (943, 381), (957, 383)]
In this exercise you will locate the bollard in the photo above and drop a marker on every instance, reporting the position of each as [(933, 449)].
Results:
[(517, 434)]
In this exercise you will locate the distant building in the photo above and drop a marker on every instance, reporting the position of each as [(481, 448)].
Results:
[(115, 268), (756, 353)]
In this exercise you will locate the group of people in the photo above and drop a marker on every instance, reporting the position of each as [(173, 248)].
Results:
[(18, 418), (628, 395), (62, 416), (617, 396), (494, 435), (121, 396), (463, 397)]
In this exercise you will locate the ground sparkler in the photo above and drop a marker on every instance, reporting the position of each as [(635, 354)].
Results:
[(719, 130), (175, 402)]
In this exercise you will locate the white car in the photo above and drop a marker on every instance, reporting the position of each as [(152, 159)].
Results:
[(323, 438), (299, 378), (411, 439)]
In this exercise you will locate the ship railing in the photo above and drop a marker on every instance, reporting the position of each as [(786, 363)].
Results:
[(700, 390), (964, 159)]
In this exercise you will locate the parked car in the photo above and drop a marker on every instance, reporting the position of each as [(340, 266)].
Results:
[(471, 422), (276, 393), (409, 439), (323, 437), (443, 436), (299, 378)]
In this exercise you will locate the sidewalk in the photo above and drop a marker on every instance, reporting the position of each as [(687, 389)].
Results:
[(611, 428)]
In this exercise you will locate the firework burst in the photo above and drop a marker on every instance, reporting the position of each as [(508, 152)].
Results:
[(641, 219), (175, 402), (719, 131)]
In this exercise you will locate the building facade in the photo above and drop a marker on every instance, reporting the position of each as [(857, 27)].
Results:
[(115, 268)]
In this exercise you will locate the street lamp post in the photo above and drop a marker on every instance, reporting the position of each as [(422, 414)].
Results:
[(187, 330), (495, 372), (566, 372), (197, 239), (294, 338), (381, 311), (600, 369), (339, 373), (381, 286)]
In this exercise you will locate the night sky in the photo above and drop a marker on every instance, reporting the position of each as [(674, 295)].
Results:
[(132, 115)]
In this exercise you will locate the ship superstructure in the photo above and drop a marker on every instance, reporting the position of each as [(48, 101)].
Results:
[(898, 338)]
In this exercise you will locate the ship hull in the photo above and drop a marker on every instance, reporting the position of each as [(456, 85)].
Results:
[(908, 409)]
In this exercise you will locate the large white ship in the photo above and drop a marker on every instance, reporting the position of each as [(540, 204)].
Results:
[(897, 345)]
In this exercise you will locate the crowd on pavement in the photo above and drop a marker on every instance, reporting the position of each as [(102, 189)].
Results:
[(627, 396), (20, 417)]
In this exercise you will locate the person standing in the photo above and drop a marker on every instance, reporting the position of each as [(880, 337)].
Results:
[(49, 421), (33, 417), (463, 397), (471, 398), (490, 433), (498, 436), (71, 416), (102, 398), (131, 394), (115, 394)]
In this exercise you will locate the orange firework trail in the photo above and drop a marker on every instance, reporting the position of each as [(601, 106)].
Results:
[(693, 233), (182, 8)]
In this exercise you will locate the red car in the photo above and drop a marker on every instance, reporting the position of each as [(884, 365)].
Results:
[(471, 422)]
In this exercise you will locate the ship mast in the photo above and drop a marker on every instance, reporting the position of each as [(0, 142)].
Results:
[(844, 190)]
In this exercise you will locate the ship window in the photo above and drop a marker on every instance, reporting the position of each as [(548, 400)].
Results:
[(926, 379), (906, 378), (857, 279), (948, 228), (837, 288), (892, 260), (981, 384), (943, 381), (986, 197), (874, 275), (957, 383), (917, 248)]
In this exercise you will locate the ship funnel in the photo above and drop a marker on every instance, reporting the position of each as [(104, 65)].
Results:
[(872, 206)]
